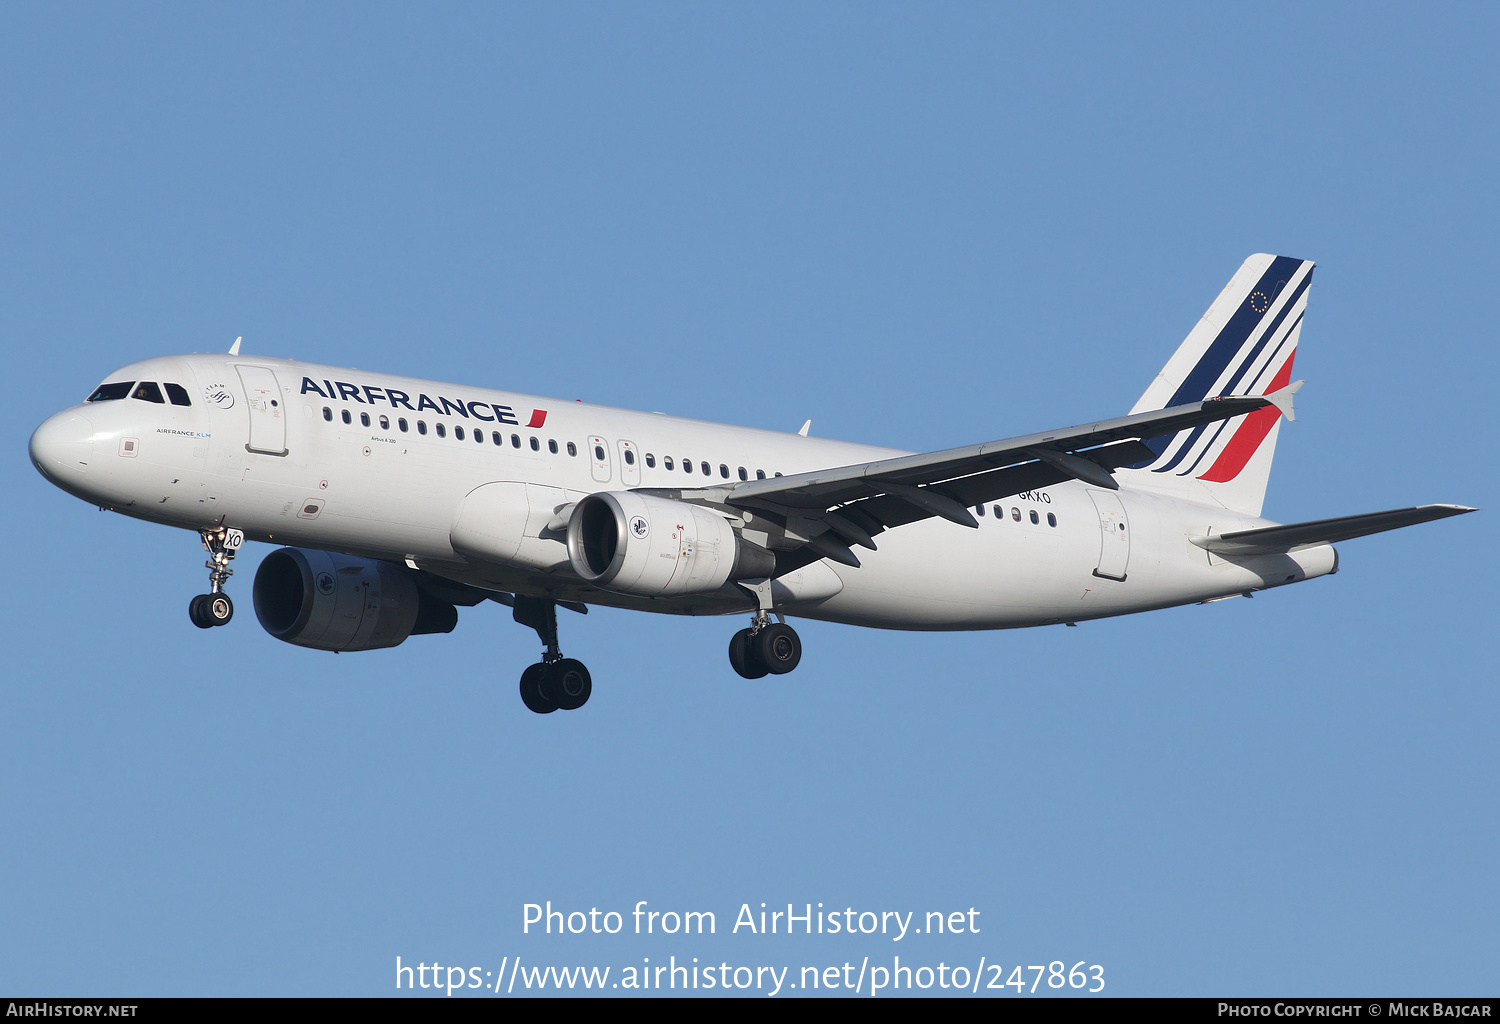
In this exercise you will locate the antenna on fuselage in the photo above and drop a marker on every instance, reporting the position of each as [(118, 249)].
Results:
[(234, 349), (803, 431)]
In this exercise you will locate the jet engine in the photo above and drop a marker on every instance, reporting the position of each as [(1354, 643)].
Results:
[(334, 602), (639, 544)]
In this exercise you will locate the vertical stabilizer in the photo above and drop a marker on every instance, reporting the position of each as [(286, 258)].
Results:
[(1243, 345)]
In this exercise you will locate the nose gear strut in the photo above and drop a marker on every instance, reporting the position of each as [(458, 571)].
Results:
[(214, 608)]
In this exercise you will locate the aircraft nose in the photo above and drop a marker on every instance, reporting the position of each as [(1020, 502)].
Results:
[(63, 447)]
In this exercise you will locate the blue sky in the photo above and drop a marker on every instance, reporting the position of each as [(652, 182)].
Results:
[(919, 225)]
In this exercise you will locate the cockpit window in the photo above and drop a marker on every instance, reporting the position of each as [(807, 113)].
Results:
[(111, 392), (178, 394), (147, 391)]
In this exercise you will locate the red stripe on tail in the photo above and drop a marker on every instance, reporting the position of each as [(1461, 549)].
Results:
[(1246, 440)]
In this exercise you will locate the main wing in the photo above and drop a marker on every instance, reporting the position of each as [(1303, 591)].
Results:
[(822, 513)]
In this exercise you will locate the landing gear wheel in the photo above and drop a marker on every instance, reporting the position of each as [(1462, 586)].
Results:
[(778, 648), (567, 683), (531, 689), (743, 657), (196, 612), (217, 609)]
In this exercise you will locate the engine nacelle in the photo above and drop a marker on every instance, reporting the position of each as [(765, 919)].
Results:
[(335, 602), (643, 545)]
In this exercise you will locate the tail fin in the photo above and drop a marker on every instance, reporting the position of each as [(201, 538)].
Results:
[(1244, 345)]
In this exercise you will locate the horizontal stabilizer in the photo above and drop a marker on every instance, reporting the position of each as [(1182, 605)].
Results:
[(1281, 539)]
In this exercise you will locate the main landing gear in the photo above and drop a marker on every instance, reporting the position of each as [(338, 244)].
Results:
[(554, 682), (215, 608), (766, 647)]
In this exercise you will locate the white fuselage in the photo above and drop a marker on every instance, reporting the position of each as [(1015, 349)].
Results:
[(1062, 554)]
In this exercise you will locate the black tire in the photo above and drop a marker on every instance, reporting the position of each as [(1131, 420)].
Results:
[(743, 658), (778, 647), (217, 609), (567, 683), (531, 692), (196, 612)]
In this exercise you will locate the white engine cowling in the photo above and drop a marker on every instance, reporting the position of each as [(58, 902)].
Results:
[(334, 602), (648, 546)]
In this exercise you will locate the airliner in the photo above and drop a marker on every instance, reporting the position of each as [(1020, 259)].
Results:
[(397, 500)]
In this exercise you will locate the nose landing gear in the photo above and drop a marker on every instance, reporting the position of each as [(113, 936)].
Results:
[(215, 608), (554, 682)]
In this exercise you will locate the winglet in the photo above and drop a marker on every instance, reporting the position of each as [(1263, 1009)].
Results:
[(803, 431), (234, 349), (1282, 399)]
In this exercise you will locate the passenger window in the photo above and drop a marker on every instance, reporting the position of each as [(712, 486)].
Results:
[(777, 474), (552, 446), (421, 426), (760, 474), (442, 430), (1034, 519), (666, 462), (1051, 519), (999, 512), (979, 509), (385, 423), (401, 423), (111, 392), (598, 453), (707, 471), (743, 474), (178, 394), (364, 419), (536, 445), (724, 471), (687, 465), (629, 457), (458, 433), (1015, 513), (650, 461), (496, 438), (345, 415), (147, 391), (572, 450), (479, 437), (515, 440), (328, 414)]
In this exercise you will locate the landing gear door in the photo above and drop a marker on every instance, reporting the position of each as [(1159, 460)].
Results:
[(1114, 535), (267, 411), (630, 464)]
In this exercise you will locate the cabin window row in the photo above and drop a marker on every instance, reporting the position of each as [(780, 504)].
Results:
[(441, 430), (498, 439), (707, 469), (1015, 514)]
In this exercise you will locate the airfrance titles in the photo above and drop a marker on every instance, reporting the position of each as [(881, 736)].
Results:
[(368, 394)]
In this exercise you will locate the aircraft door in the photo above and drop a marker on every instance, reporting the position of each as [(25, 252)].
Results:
[(599, 459), (630, 465), (1114, 535), (267, 410)]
